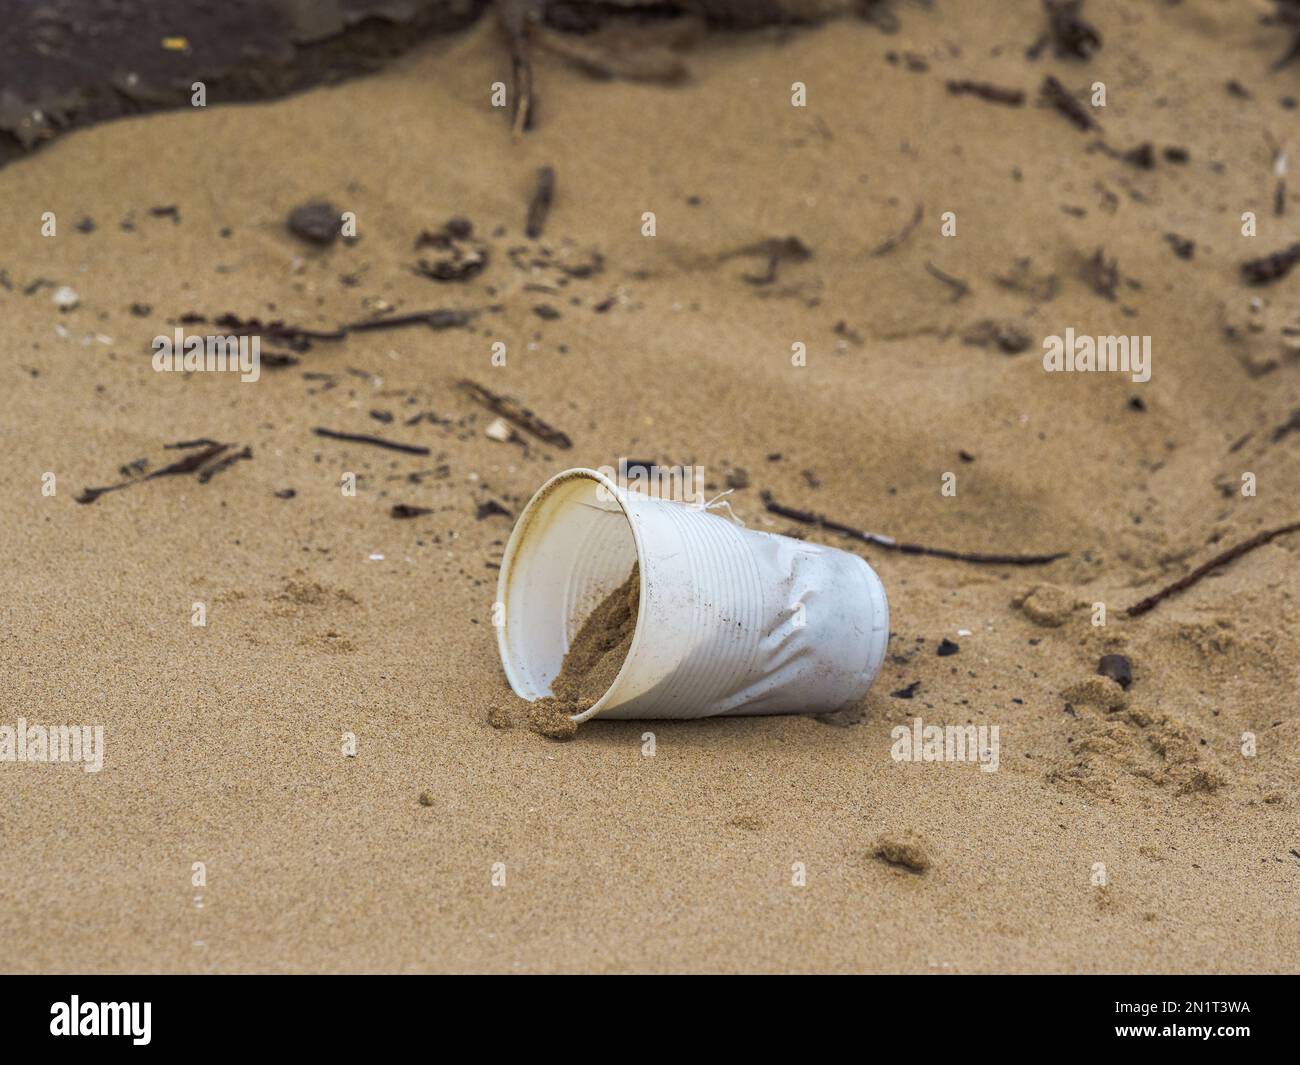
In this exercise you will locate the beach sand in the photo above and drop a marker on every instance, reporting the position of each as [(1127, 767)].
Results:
[(741, 844)]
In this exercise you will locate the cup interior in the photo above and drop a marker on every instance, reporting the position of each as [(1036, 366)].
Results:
[(572, 546)]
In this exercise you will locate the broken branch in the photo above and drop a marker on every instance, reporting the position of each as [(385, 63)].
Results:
[(1221, 559)]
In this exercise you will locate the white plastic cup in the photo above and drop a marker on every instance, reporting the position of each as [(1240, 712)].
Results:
[(731, 621)]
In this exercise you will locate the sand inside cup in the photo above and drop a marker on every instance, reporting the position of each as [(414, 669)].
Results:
[(589, 668)]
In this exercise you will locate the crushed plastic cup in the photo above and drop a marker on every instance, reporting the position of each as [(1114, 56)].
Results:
[(730, 620)]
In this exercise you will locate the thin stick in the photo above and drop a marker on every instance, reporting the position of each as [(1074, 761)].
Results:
[(995, 94), (376, 441), (439, 318), (1060, 97), (224, 463), (896, 240), (517, 18), (540, 205), (890, 544), (517, 414), (957, 285), (1222, 559)]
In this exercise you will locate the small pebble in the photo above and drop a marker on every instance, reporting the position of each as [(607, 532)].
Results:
[(1117, 668), (65, 298), (316, 223)]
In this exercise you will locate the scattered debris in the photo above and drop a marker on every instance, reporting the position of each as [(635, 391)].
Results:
[(1291, 425), (405, 510), (463, 257), (516, 414), (223, 463), (890, 544), (499, 429), (1058, 96), (899, 238), (1221, 559), (993, 93), (776, 250), (1101, 274), (1008, 337), (491, 509), (1143, 156), (956, 285), (1072, 37), (1182, 247), (539, 207), (906, 693), (66, 298), (1288, 16), (298, 338), (437, 319), (519, 19), (1022, 279), (194, 461), (1270, 268)]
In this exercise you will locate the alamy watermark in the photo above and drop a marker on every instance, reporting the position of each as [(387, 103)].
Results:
[(683, 484), (53, 743), (130, 1019), (920, 742), (181, 354), (1081, 354)]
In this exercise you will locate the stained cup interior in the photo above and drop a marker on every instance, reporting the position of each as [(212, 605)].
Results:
[(571, 547)]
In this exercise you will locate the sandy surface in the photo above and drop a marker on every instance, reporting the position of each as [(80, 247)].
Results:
[(224, 742)]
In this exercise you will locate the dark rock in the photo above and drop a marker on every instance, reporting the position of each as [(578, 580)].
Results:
[(316, 223), (1117, 668)]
